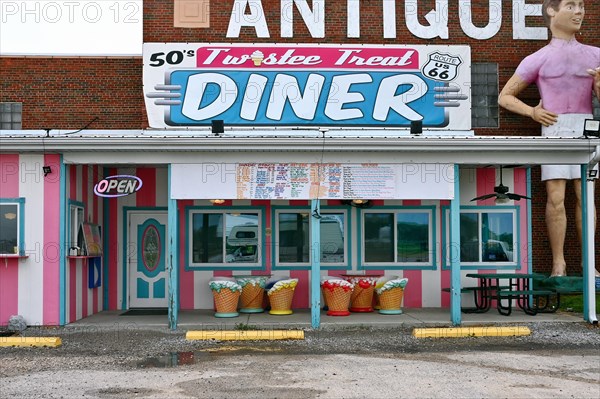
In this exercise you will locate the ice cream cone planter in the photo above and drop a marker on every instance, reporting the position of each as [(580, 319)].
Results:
[(362, 295), (337, 295), (390, 296), (281, 295), (226, 295), (378, 284), (253, 292)]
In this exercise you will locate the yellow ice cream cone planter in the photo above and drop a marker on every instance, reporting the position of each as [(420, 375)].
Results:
[(226, 295), (253, 292), (337, 295), (390, 296), (281, 296), (362, 295), (378, 284)]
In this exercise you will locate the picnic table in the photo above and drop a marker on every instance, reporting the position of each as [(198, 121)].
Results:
[(504, 288)]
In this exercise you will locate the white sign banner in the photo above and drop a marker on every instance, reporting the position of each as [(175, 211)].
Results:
[(192, 84), (288, 181)]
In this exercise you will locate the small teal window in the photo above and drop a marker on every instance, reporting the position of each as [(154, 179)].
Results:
[(12, 226)]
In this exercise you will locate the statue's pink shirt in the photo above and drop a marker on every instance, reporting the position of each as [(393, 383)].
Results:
[(560, 71)]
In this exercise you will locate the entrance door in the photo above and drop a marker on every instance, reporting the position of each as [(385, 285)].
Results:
[(147, 259)]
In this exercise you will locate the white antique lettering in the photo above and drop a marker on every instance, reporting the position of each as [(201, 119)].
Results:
[(196, 88), (353, 18), (389, 19), (520, 31), (438, 20), (340, 95), (255, 19), (252, 96), (286, 88), (388, 99), (314, 20), (494, 20)]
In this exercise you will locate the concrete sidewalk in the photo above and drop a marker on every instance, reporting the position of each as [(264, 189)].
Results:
[(301, 319)]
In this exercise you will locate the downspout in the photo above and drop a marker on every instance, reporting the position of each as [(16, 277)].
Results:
[(589, 256)]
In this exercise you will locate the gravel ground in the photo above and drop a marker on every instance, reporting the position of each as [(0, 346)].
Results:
[(131, 344), (557, 360)]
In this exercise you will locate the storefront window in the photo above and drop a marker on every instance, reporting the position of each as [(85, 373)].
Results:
[(487, 237), (11, 234), (293, 247), (76, 218), (225, 238), (398, 238)]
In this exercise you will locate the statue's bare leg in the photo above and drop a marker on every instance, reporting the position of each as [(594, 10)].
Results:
[(556, 222)]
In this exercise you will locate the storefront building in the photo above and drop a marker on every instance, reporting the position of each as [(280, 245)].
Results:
[(241, 139)]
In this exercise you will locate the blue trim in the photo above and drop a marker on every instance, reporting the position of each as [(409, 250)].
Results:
[(224, 266), (315, 269), (173, 263), (62, 263), (347, 240), (399, 209), (584, 240), (68, 234), (455, 289), (124, 272), (516, 265), (162, 234)]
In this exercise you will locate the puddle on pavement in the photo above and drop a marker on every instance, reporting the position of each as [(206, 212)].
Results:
[(175, 359), (172, 359)]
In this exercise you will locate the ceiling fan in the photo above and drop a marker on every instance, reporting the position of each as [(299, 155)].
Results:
[(501, 193)]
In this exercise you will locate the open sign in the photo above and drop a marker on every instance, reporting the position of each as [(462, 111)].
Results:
[(117, 186)]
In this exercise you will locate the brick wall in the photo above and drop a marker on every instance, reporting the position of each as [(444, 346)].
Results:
[(68, 93)]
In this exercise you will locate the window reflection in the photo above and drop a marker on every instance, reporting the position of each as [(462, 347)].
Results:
[(242, 238), (293, 237), (9, 232), (225, 237), (486, 237), (413, 237)]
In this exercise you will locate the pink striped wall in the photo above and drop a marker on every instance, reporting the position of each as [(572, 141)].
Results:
[(83, 301), (52, 250), (9, 273)]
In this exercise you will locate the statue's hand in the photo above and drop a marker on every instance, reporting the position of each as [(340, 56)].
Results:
[(596, 74), (542, 116)]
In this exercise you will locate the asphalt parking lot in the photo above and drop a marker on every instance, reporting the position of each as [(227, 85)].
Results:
[(558, 360)]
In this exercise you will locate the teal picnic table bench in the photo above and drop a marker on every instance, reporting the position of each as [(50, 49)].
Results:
[(483, 296), (504, 288)]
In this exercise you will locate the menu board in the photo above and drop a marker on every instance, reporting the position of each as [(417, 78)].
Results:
[(92, 240), (282, 181)]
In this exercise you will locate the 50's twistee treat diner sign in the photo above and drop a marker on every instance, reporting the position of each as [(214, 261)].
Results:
[(191, 84)]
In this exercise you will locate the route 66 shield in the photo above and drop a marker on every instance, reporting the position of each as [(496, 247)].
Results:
[(442, 67)]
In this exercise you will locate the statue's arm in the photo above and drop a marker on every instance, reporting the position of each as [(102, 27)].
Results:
[(596, 74), (509, 100)]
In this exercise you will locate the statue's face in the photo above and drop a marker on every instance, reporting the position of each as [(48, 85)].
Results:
[(569, 16)]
